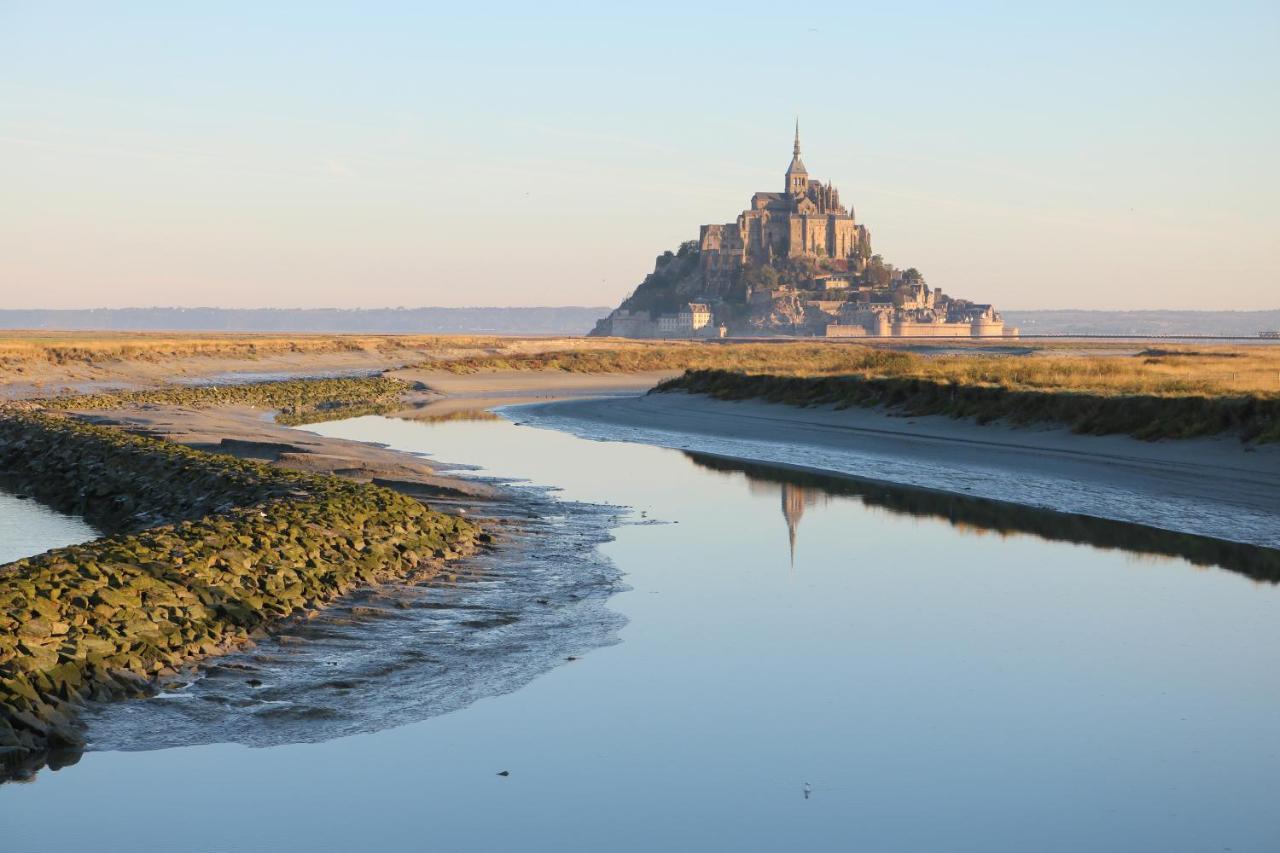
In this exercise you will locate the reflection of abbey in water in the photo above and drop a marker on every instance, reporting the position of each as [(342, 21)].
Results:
[(795, 500), (800, 490)]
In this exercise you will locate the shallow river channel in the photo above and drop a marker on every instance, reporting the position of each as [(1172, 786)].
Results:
[(677, 646)]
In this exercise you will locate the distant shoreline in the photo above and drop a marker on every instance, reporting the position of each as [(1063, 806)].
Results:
[(552, 320), (573, 320)]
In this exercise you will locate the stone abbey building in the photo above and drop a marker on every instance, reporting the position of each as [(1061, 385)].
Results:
[(805, 220), (795, 262)]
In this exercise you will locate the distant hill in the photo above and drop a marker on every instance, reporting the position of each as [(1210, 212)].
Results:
[(1073, 322), (568, 320)]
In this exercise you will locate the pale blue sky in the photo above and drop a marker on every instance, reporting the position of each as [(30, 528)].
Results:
[(372, 154)]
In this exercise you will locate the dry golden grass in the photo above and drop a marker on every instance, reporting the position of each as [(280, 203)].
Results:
[(1165, 371), (638, 357), (95, 348), (1112, 369), (1162, 372)]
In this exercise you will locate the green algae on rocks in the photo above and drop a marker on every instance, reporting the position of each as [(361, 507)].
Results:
[(211, 552)]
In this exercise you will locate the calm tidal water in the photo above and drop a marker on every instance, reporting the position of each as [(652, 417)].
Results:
[(940, 686)]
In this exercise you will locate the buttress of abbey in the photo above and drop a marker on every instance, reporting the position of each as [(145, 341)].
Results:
[(805, 220), (797, 263)]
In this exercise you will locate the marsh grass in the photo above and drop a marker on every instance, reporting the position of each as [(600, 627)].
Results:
[(1170, 392), (1252, 370), (1144, 416), (19, 348), (1156, 392), (800, 358)]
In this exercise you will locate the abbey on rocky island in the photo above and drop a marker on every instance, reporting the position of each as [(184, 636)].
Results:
[(795, 262)]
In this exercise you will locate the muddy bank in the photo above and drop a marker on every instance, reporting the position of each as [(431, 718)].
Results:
[(252, 421), (1214, 487), (253, 434), (474, 392), (1145, 416), (240, 547)]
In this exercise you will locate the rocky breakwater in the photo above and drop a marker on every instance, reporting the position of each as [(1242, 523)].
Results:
[(210, 552)]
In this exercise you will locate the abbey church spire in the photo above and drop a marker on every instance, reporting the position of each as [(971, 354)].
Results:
[(797, 174)]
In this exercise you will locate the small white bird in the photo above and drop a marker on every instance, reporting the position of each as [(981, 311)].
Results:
[(808, 789)]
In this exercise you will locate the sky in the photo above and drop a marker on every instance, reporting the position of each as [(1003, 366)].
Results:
[(372, 154)]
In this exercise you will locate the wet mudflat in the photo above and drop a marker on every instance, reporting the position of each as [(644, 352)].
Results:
[(942, 677)]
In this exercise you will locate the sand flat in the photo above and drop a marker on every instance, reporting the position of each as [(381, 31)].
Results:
[(532, 384)]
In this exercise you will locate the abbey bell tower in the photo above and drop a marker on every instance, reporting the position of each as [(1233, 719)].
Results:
[(797, 174)]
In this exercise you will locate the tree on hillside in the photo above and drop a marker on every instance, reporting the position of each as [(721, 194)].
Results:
[(758, 277), (878, 273)]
